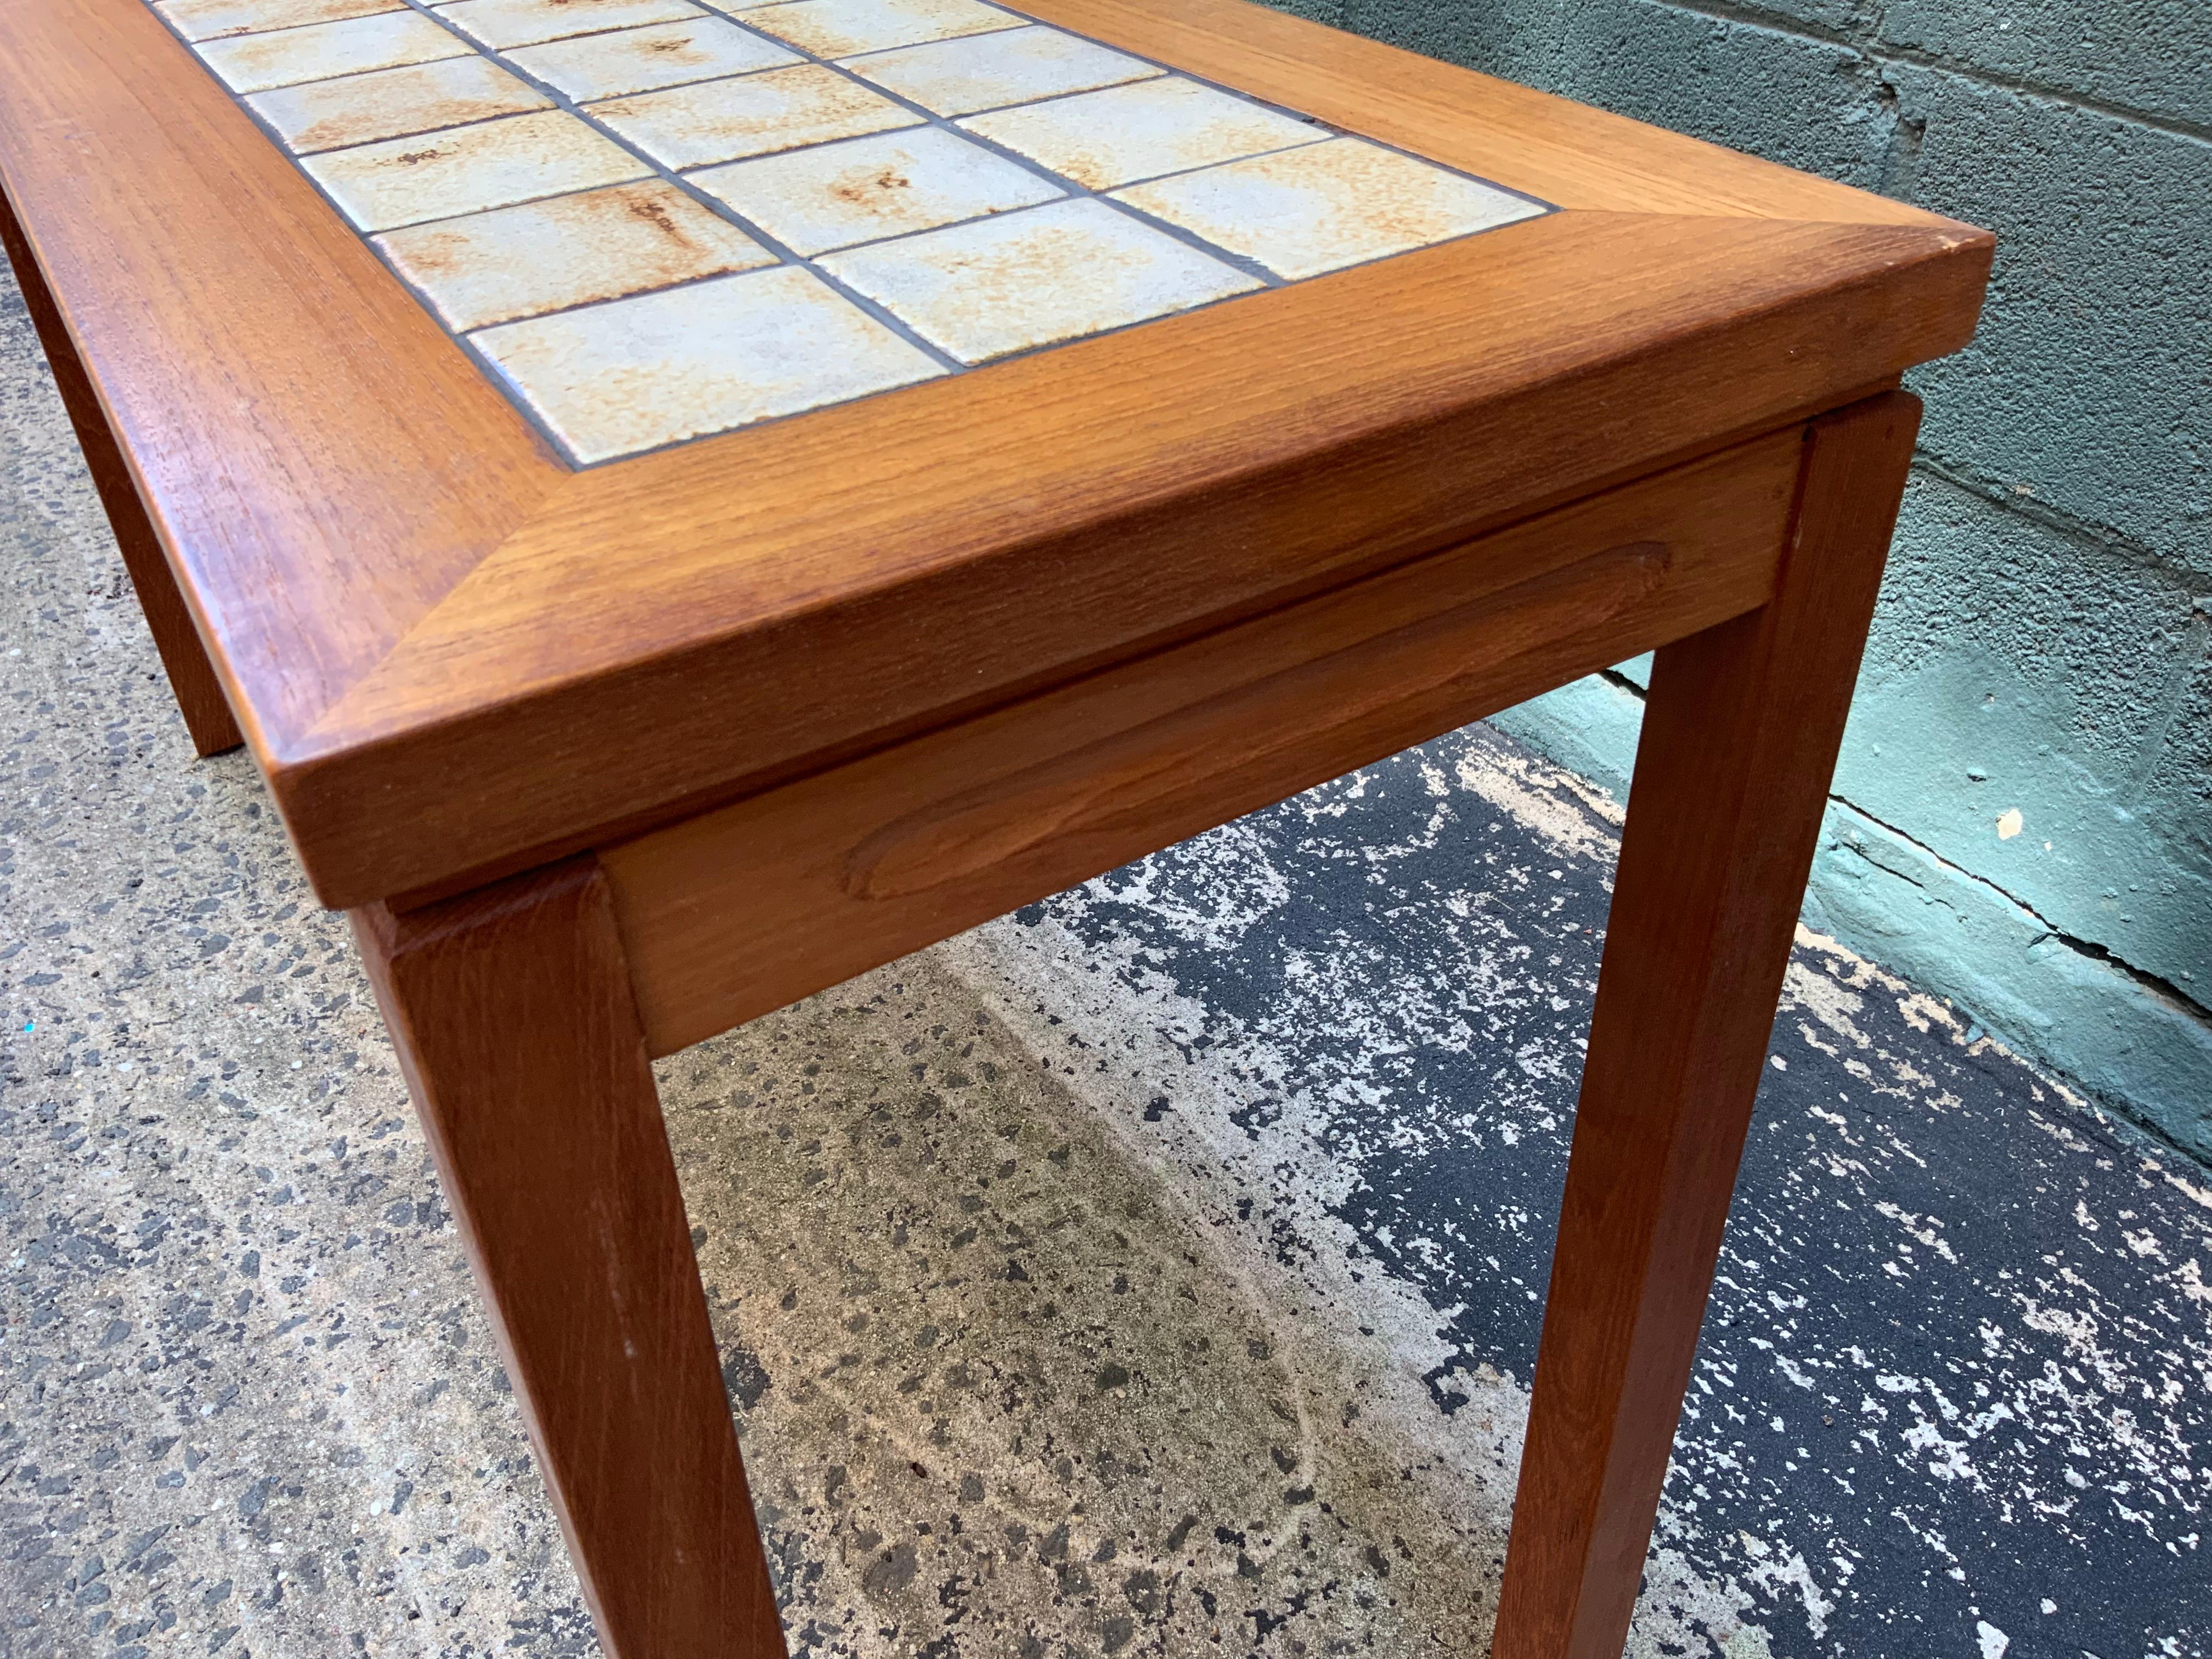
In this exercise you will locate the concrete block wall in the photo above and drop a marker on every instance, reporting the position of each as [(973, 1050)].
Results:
[(2022, 819)]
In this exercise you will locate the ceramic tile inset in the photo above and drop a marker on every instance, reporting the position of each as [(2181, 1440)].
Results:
[(641, 60), (567, 251), (360, 109), (503, 23), (1123, 134), (753, 115), (255, 62), (838, 29), (1325, 206), (867, 189), (1029, 279), (210, 20), (1014, 66), (402, 181), (659, 219), (636, 373)]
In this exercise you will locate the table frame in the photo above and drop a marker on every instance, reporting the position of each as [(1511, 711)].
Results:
[(525, 1013), (1663, 418)]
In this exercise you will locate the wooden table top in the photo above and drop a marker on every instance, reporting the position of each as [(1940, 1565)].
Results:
[(563, 415)]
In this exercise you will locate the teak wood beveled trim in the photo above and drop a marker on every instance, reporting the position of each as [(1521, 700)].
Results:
[(185, 659), (453, 658), (320, 462), (740, 911), (1053, 528)]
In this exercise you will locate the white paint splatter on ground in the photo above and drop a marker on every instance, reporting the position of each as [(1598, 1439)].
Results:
[(1951, 1291)]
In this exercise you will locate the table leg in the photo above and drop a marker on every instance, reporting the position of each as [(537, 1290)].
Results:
[(511, 1011), (191, 675), (1739, 739)]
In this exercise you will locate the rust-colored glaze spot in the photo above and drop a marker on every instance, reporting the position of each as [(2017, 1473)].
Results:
[(866, 192), (620, 63), (1325, 206), (785, 109), (1142, 130), (839, 28), (654, 368), (654, 211), (318, 52), (570, 251), (1021, 279), (489, 164), (212, 20), (394, 103), (504, 25), (870, 188)]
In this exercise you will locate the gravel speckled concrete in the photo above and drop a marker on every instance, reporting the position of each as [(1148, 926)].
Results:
[(1155, 1271)]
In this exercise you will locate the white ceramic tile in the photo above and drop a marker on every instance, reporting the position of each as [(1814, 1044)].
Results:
[(209, 20), (636, 373), (1050, 273), (834, 195), (641, 60), (255, 62), (503, 23), (402, 181), (1325, 206), (838, 29), (360, 109), (1014, 66), (629, 314), (1123, 134), (753, 115), (568, 251)]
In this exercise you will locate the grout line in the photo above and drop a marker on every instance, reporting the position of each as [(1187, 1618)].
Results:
[(667, 173), (473, 329), (670, 174), (1070, 188), (530, 415), (301, 157)]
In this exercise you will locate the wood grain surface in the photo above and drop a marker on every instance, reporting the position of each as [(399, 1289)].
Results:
[(1741, 731), (740, 911), (192, 677), (990, 535), (319, 461), (511, 1009), (454, 658)]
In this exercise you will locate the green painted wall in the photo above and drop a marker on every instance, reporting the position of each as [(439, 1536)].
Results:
[(2044, 642)]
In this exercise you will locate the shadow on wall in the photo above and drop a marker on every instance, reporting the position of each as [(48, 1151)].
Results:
[(2023, 814)]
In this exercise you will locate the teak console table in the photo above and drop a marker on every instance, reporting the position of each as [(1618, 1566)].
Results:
[(688, 503)]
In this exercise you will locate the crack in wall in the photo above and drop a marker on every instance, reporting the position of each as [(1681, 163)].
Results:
[(2051, 931), (2176, 126), (2157, 984), (2008, 498)]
